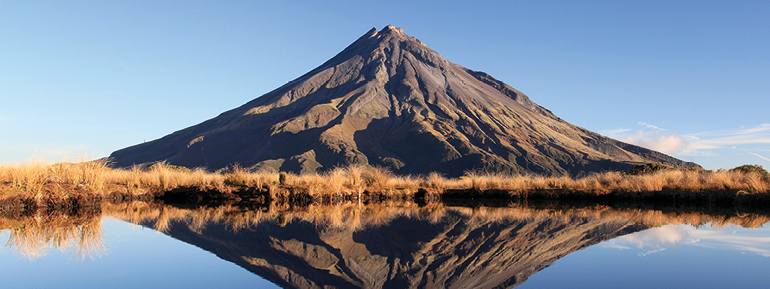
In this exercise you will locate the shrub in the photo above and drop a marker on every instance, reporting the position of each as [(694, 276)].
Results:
[(647, 168), (163, 165), (750, 168)]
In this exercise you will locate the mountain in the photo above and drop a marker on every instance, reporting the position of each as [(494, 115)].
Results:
[(389, 100), (458, 248)]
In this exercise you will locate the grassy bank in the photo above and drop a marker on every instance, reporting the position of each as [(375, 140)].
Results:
[(73, 184)]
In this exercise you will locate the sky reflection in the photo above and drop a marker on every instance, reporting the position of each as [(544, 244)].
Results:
[(731, 237)]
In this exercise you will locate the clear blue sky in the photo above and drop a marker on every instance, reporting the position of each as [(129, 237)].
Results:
[(85, 78)]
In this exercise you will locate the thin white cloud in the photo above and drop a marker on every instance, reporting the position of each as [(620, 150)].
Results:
[(650, 252), (759, 156), (698, 144), (613, 132), (755, 135), (641, 123), (615, 245)]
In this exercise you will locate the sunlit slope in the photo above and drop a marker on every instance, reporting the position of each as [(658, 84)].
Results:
[(389, 100)]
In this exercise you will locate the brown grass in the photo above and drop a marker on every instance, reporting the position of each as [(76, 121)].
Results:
[(62, 180)]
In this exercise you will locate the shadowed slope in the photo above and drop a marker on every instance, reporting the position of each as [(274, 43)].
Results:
[(389, 100)]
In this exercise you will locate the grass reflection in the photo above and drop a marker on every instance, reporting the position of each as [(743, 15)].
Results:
[(34, 232), (32, 237), (355, 216)]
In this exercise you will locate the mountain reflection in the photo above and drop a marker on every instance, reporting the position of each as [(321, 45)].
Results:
[(395, 247)]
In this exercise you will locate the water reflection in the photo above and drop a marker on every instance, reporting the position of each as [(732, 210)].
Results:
[(404, 245), (395, 245), (672, 236), (33, 236)]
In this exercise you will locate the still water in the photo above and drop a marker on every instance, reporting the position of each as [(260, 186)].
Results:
[(132, 256), (158, 246)]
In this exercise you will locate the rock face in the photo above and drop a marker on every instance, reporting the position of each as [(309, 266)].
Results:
[(457, 250), (389, 100)]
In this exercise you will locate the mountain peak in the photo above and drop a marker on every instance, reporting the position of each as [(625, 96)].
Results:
[(387, 33), (392, 29)]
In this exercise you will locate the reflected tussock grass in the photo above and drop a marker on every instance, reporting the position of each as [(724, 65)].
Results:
[(351, 216), (33, 237)]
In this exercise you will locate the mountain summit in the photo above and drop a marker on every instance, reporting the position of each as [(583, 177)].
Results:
[(389, 100)]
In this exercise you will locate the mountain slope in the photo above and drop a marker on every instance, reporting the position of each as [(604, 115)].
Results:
[(389, 100)]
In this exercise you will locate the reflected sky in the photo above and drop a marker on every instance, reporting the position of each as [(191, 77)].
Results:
[(730, 237), (669, 256), (133, 257)]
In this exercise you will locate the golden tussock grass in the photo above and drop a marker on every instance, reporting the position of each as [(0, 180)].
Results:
[(97, 178)]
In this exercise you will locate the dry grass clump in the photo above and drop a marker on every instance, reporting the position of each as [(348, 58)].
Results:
[(40, 179), (434, 181), (28, 177)]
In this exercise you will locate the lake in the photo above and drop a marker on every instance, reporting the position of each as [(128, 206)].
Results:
[(154, 245)]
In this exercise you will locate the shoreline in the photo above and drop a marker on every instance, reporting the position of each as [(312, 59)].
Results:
[(65, 186)]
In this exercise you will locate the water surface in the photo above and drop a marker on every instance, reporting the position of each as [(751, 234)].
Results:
[(670, 256), (160, 246), (131, 257)]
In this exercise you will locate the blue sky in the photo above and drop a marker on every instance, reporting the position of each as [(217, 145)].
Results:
[(85, 78)]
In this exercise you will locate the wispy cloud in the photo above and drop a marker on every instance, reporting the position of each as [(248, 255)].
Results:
[(743, 136), (613, 132), (647, 125), (697, 144), (760, 156), (650, 252), (615, 245)]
